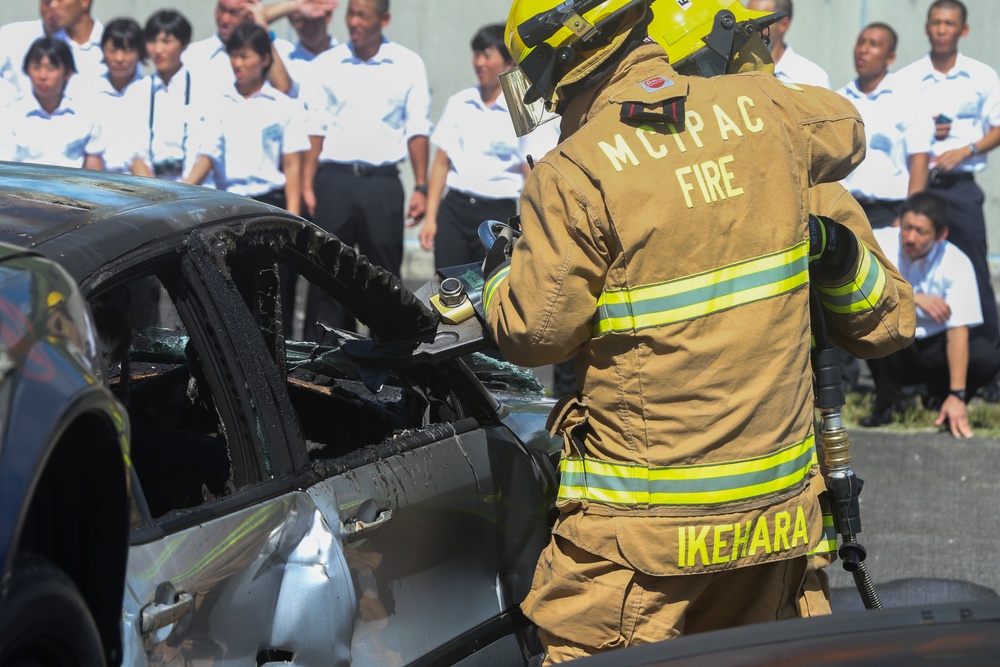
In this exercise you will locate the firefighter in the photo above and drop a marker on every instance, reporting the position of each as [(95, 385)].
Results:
[(666, 246)]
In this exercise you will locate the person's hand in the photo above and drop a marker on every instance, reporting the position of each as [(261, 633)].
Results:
[(316, 9), (418, 206), (941, 131), (950, 159), (954, 410), (427, 234), (255, 12), (309, 199), (935, 306)]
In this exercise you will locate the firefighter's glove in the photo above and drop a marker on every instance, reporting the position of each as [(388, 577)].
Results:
[(498, 256), (833, 249)]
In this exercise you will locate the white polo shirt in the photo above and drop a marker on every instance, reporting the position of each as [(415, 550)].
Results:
[(486, 155), (367, 111), (15, 39), (249, 136), (179, 113), (8, 93), (63, 138), (794, 68), (128, 141), (895, 128), (298, 61), (208, 57), (969, 94), (946, 272), (89, 57)]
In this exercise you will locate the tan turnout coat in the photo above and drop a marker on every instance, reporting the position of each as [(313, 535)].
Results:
[(670, 258)]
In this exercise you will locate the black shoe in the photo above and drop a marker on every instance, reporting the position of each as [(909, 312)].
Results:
[(882, 416)]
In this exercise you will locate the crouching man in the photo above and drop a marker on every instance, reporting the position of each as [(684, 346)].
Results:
[(950, 354)]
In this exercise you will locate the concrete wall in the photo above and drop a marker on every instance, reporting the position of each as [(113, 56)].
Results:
[(440, 30)]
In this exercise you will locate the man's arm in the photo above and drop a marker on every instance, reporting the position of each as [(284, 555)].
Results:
[(93, 162), (311, 8), (439, 176), (870, 309), (419, 149), (951, 159), (954, 409), (310, 164), (919, 168)]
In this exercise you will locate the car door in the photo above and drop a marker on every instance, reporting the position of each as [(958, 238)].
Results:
[(439, 510), (221, 539)]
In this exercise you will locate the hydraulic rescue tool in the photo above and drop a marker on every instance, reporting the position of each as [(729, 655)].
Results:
[(843, 485)]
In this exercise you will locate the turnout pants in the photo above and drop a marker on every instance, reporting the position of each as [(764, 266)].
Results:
[(363, 206), (584, 604)]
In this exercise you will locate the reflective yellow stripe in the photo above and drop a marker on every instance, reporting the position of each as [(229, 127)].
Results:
[(703, 294), (860, 294), (633, 485), (828, 540), (492, 285)]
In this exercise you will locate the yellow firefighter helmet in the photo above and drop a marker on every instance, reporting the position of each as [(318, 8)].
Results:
[(556, 43)]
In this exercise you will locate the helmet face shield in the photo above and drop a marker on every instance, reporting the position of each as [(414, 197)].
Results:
[(750, 56), (525, 116)]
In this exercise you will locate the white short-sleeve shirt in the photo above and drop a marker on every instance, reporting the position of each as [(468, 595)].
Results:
[(89, 57), (180, 110), (8, 93), (794, 68), (946, 272), (63, 138), (250, 136), (969, 94), (486, 155), (367, 111), (298, 61), (895, 129), (127, 142)]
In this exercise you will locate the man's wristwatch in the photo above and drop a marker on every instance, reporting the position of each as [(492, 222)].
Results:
[(973, 150), (960, 394), (422, 189)]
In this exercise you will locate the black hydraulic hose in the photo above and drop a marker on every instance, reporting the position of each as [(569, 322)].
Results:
[(843, 485)]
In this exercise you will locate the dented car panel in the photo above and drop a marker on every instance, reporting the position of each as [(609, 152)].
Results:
[(356, 500)]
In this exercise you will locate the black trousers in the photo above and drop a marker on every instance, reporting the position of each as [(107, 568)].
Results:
[(880, 212), (459, 216), (967, 230), (363, 208), (926, 362)]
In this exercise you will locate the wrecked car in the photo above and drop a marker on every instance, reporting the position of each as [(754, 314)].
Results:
[(362, 499)]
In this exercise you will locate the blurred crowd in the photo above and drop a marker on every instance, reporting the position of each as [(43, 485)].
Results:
[(321, 129)]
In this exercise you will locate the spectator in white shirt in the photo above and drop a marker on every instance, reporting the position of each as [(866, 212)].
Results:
[(260, 134), (311, 23), (83, 34), (8, 93), (963, 96), (949, 354), (124, 48), (48, 126), (899, 133), (172, 102), (788, 65), (370, 103), (479, 158), (15, 38)]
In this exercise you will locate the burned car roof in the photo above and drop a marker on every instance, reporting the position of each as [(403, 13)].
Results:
[(82, 218)]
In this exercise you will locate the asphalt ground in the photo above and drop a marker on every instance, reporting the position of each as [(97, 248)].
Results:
[(930, 507)]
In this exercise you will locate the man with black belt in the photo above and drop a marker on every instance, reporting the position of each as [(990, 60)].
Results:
[(898, 132), (963, 97), (370, 104)]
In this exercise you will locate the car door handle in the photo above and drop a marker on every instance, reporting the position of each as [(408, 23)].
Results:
[(352, 530), (156, 616)]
